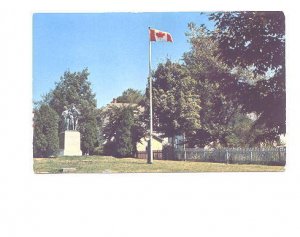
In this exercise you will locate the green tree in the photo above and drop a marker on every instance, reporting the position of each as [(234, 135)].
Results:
[(124, 143), (242, 132), (176, 106), (99, 149), (122, 129), (226, 91), (256, 41), (131, 96), (215, 84), (74, 88), (45, 133)]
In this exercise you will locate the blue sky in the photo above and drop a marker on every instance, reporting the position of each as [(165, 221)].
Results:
[(113, 46)]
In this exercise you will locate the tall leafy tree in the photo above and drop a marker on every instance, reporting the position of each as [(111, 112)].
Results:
[(123, 137), (256, 41), (45, 132), (215, 86), (100, 136), (74, 88), (176, 106)]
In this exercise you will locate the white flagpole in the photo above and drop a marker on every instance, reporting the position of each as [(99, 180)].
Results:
[(150, 157)]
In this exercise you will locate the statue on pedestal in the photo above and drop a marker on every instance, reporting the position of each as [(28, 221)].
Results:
[(70, 118), (69, 138)]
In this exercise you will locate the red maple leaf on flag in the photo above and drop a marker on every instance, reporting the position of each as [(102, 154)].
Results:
[(160, 34), (157, 35)]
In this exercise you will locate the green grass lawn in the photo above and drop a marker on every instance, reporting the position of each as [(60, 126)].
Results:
[(108, 164)]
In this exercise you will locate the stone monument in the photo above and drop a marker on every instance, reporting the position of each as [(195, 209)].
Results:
[(69, 138)]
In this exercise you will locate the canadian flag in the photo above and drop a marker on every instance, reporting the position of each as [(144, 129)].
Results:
[(157, 35)]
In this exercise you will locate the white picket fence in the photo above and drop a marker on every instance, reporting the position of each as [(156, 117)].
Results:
[(262, 156)]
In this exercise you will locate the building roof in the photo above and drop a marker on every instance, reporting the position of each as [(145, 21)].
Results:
[(155, 137)]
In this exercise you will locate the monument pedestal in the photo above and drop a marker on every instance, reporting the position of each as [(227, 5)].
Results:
[(69, 143)]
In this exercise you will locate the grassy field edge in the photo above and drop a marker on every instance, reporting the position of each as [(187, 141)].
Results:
[(109, 164)]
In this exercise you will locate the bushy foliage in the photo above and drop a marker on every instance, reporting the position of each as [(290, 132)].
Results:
[(214, 86), (176, 105), (256, 41), (74, 88), (123, 138), (109, 148), (45, 133), (131, 96), (231, 84), (122, 130)]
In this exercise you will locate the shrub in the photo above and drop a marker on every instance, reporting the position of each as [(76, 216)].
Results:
[(45, 133)]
